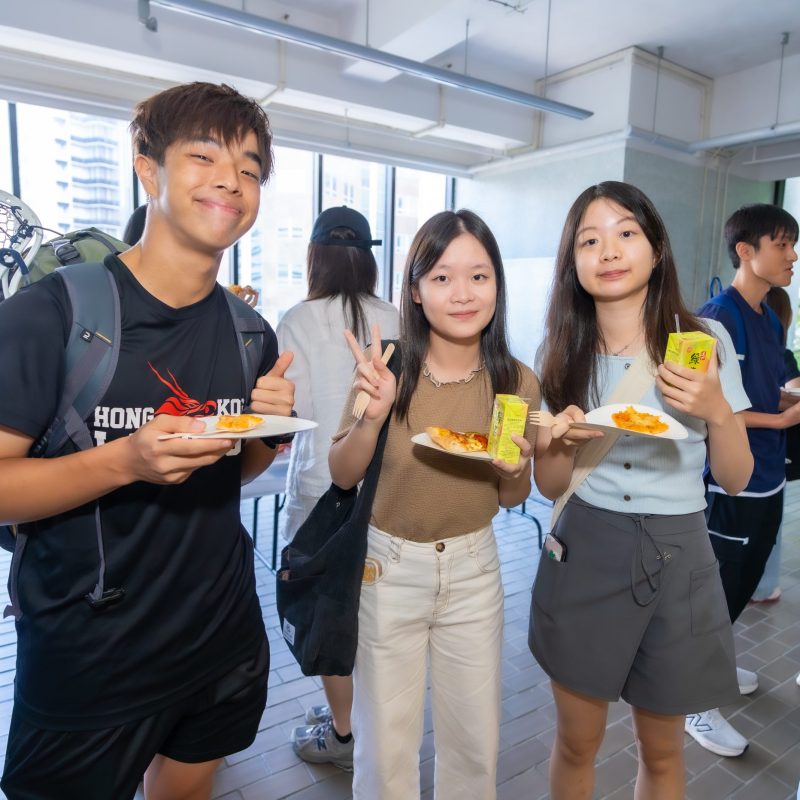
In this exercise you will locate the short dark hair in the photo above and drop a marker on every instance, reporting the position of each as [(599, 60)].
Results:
[(430, 242), (195, 111), (346, 272), (750, 223), (135, 227)]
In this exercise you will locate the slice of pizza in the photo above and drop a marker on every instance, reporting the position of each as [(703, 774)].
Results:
[(456, 442), (238, 422), (640, 421)]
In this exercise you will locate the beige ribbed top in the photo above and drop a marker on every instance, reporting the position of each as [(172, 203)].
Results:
[(424, 495)]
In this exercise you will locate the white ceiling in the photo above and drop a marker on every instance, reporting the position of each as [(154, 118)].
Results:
[(712, 37), (94, 54)]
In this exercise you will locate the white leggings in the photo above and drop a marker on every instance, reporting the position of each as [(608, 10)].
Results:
[(442, 601)]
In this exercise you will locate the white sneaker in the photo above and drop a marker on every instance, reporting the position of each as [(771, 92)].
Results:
[(712, 731), (748, 681)]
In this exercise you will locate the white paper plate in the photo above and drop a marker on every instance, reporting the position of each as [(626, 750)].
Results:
[(600, 419), (426, 441), (795, 391), (271, 426)]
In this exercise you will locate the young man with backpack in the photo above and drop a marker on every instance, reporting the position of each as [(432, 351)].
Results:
[(141, 645), (761, 242)]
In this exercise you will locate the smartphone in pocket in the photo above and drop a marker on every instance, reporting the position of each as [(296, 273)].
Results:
[(554, 548)]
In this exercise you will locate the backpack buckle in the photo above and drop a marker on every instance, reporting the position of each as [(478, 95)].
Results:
[(65, 251), (109, 598)]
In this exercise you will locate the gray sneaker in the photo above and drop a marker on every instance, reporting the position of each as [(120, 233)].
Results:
[(318, 744), (317, 714)]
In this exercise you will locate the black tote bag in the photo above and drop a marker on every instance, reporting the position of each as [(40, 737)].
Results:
[(318, 584)]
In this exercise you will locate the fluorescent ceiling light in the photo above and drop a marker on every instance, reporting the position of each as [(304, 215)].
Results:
[(290, 33)]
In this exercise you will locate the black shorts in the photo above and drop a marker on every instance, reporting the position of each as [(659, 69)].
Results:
[(108, 764), (743, 532)]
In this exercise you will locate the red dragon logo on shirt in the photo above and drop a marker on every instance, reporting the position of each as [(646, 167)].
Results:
[(181, 405)]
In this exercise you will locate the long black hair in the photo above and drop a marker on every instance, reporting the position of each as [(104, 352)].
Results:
[(432, 239), (572, 338), (346, 272)]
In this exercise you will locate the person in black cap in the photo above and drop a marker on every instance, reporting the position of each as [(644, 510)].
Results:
[(342, 277), (355, 233)]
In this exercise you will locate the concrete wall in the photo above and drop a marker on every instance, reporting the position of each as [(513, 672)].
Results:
[(526, 207), (694, 201)]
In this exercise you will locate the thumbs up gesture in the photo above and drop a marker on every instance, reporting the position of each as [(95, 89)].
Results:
[(273, 393)]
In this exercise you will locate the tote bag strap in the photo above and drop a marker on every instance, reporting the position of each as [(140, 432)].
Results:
[(369, 485), (633, 386)]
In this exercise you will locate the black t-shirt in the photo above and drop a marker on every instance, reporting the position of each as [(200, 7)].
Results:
[(190, 611)]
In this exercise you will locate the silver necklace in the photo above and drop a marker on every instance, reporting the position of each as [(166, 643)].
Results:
[(622, 349)]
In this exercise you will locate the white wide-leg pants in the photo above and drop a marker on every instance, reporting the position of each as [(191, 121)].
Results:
[(440, 602)]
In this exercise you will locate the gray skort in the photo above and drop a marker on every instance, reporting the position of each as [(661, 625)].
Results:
[(636, 611)]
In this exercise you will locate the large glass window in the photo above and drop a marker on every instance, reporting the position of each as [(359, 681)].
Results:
[(6, 183), (272, 256), (418, 196), (75, 169), (360, 185)]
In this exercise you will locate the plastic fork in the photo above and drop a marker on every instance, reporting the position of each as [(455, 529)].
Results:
[(543, 419), (362, 398)]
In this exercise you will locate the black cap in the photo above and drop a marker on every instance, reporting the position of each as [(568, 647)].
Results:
[(343, 217)]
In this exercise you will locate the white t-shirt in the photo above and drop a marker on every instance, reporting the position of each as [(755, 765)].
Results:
[(322, 371)]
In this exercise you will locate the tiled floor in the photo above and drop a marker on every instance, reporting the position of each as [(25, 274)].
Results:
[(767, 639)]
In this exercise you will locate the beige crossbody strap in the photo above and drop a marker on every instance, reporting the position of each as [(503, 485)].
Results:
[(634, 384)]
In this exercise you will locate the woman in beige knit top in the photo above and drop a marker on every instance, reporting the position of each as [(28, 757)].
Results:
[(432, 591)]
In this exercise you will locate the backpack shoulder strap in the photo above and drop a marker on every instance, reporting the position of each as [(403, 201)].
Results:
[(250, 329), (99, 236), (91, 359), (740, 339), (91, 354), (777, 326)]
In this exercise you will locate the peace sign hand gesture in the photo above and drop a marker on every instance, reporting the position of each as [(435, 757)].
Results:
[(373, 377)]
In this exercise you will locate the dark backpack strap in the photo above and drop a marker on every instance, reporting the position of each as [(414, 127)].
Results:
[(99, 236), (13, 608), (777, 325), (91, 354), (250, 329), (740, 341), (91, 359), (729, 304)]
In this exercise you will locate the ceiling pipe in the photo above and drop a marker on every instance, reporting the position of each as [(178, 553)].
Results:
[(747, 137), (291, 33), (630, 132)]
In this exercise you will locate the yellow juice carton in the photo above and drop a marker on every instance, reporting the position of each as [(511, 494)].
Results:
[(691, 349), (509, 415)]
